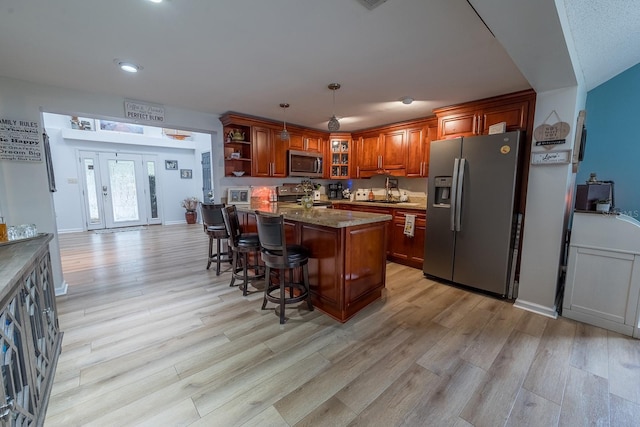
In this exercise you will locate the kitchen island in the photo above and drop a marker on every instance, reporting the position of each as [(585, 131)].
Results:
[(347, 265)]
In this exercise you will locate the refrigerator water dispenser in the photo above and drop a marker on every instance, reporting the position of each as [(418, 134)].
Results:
[(443, 191)]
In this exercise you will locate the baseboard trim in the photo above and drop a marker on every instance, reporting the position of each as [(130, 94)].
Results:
[(62, 290), (537, 308)]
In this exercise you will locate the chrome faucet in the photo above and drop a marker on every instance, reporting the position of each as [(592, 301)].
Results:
[(387, 190)]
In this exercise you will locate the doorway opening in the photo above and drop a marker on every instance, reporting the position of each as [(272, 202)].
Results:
[(119, 190)]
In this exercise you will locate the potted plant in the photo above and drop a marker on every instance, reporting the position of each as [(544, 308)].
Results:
[(190, 204), (603, 205)]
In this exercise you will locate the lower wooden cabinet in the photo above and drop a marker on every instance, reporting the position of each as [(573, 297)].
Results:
[(347, 269), (401, 248), (29, 336)]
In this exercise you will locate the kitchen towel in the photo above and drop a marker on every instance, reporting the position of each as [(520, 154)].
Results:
[(409, 225)]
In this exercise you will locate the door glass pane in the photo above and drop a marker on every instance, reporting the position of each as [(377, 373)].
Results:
[(124, 196), (153, 196), (92, 194)]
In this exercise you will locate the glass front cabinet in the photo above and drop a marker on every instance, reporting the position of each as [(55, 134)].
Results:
[(340, 156)]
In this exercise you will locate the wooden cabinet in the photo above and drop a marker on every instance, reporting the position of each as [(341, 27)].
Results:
[(419, 142), (393, 152), (368, 155), (347, 269), (403, 249), (30, 337), (475, 118), (269, 153), (340, 156), (261, 153), (237, 153), (382, 153), (298, 141)]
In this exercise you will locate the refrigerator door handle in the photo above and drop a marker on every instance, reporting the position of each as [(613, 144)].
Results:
[(454, 192), (459, 194)]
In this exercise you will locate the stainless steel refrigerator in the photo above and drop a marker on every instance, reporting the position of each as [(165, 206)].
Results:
[(471, 212)]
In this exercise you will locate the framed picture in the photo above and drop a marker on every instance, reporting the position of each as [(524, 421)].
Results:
[(239, 195), (171, 164), (186, 174)]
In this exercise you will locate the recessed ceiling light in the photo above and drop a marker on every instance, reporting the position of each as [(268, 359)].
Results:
[(127, 66), (155, 1)]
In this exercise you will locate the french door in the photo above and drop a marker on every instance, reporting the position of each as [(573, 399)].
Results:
[(120, 190)]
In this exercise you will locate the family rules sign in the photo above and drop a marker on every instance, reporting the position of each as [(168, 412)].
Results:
[(20, 140)]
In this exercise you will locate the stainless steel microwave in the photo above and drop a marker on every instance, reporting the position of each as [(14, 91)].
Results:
[(303, 163)]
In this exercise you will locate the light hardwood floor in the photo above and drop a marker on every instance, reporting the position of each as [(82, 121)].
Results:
[(153, 338)]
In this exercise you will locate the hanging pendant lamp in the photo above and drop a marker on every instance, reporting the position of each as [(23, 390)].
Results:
[(284, 134), (334, 124)]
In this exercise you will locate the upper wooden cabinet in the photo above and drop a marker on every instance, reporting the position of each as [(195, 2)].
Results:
[(475, 118), (382, 153), (261, 152), (419, 138), (340, 158), (298, 141), (269, 153)]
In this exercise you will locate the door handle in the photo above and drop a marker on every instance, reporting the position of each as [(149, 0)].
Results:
[(454, 193), (459, 194)]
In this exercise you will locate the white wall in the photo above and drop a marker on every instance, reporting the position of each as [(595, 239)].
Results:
[(549, 201), (24, 188)]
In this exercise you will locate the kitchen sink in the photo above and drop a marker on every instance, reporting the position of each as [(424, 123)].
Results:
[(384, 201)]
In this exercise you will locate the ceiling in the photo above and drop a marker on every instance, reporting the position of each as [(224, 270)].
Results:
[(251, 55)]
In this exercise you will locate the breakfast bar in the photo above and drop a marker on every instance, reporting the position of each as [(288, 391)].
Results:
[(347, 265)]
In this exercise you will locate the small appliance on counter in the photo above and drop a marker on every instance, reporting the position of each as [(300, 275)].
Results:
[(335, 191), (588, 194)]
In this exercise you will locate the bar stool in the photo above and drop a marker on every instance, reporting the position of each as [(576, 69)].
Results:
[(277, 255), (213, 223), (241, 244)]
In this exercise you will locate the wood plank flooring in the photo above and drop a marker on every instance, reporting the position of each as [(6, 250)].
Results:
[(152, 338)]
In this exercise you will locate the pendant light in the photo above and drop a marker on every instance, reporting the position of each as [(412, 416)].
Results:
[(284, 134), (334, 124)]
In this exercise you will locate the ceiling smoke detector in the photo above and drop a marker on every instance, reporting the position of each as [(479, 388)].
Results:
[(371, 4)]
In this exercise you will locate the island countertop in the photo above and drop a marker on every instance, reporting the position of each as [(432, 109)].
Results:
[(335, 218)]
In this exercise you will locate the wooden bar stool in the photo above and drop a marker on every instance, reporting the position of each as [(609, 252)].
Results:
[(283, 258), (213, 223), (242, 245)]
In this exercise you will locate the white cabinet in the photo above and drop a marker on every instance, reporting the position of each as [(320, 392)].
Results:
[(603, 276)]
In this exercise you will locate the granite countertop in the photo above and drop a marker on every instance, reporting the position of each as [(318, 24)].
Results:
[(335, 218), (380, 203)]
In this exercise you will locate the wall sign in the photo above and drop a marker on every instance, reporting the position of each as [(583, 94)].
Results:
[(20, 140), (551, 157), (547, 135), (142, 111)]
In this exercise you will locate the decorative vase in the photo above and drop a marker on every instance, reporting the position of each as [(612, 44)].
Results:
[(307, 202), (191, 217)]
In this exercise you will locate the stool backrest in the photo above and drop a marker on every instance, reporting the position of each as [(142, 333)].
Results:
[(231, 222), (212, 214), (272, 234)]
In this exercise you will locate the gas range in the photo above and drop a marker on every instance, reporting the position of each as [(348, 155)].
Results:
[(293, 193)]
